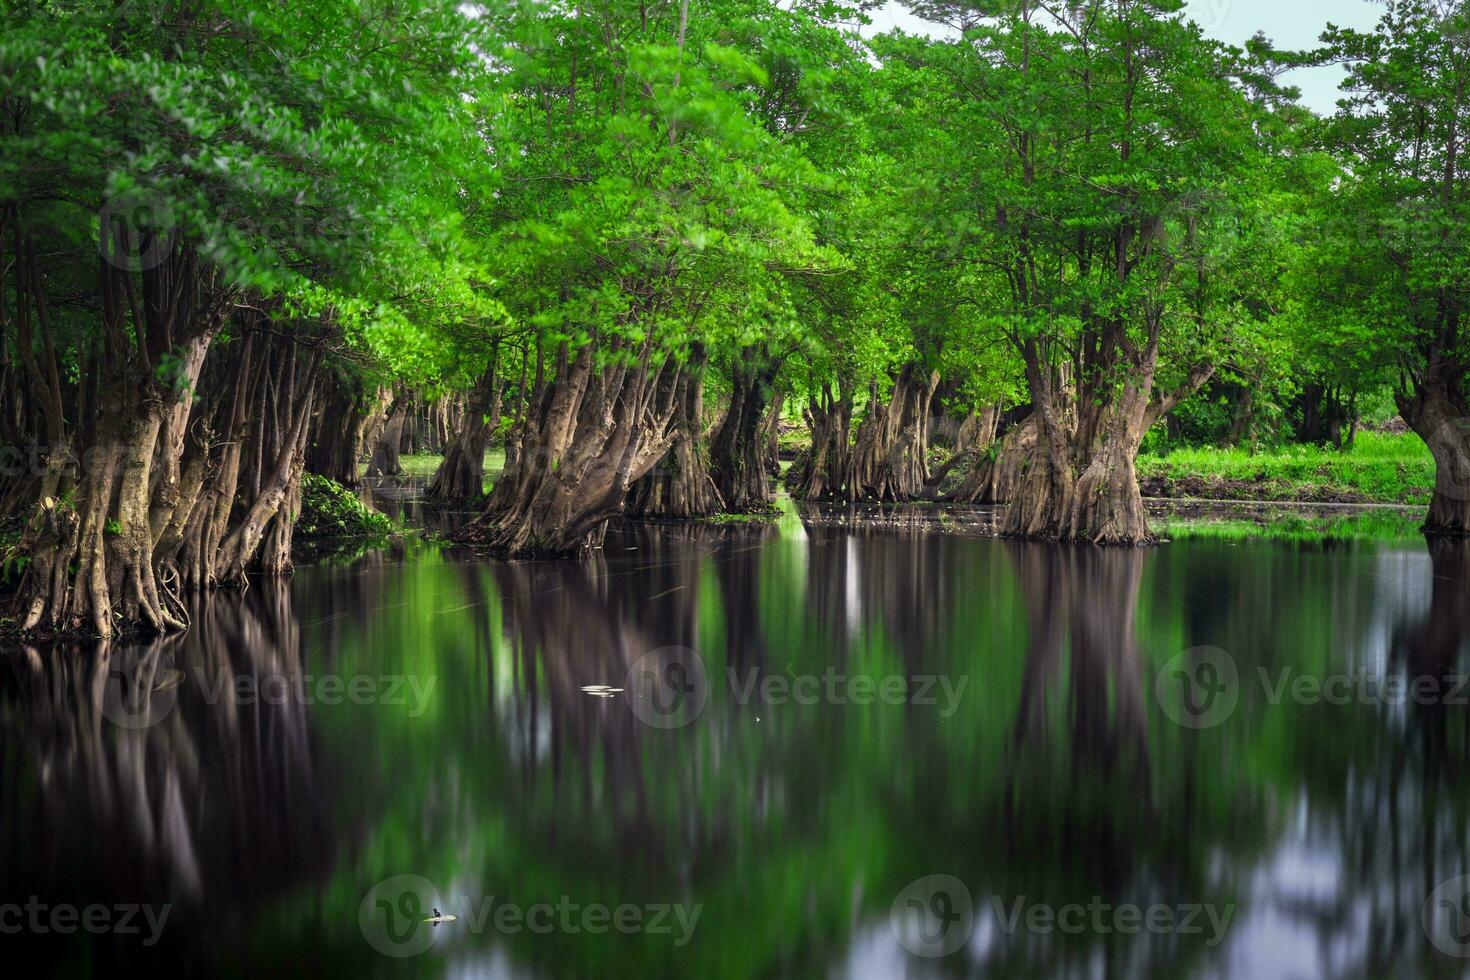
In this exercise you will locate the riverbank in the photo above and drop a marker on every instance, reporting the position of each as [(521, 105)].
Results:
[(1379, 469)]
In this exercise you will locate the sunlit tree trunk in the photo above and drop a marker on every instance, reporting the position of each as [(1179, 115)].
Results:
[(681, 485), (588, 436)]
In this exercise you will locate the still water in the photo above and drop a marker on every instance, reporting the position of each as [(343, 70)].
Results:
[(812, 749)]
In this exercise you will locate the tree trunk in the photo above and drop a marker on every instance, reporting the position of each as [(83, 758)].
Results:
[(738, 450), (890, 459), (1095, 425), (973, 456), (772, 435), (1437, 411), (461, 476), (822, 472), (589, 435), (337, 433), (681, 486), (1039, 500), (1105, 505), (389, 444)]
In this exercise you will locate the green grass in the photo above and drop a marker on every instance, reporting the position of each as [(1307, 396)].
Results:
[(425, 465), (1379, 468), (1379, 525), (420, 464)]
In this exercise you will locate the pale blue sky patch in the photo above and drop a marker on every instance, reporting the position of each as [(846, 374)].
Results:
[(1290, 23)]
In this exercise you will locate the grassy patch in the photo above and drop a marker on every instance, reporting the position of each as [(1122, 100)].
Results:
[(1379, 468), (425, 465), (420, 464)]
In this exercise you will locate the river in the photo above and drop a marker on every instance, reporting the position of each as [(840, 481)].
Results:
[(890, 747)]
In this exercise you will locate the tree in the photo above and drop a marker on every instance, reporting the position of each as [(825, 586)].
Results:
[(209, 187), (1402, 281), (1110, 146), (647, 207)]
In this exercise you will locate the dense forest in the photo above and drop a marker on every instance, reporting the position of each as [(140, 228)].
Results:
[(638, 246)]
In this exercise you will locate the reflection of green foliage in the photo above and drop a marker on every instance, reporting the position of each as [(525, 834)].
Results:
[(792, 825), (1375, 525)]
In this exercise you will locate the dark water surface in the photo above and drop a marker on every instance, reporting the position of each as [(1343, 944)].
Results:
[(867, 708)]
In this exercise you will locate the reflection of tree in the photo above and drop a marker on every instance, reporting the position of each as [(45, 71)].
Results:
[(737, 560), (828, 584), (1433, 650), (210, 807), (721, 812), (1056, 779), (1386, 795), (566, 633), (572, 625)]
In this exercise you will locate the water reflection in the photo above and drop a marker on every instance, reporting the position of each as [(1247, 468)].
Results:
[(131, 776), (983, 709)]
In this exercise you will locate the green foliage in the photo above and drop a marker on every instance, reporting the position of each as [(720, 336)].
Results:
[(329, 509), (13, 563)]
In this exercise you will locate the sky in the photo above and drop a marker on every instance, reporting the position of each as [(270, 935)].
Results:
[(1290, 23)]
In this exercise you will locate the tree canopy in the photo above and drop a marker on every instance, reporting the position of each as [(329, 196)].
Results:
[(640, 245)]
